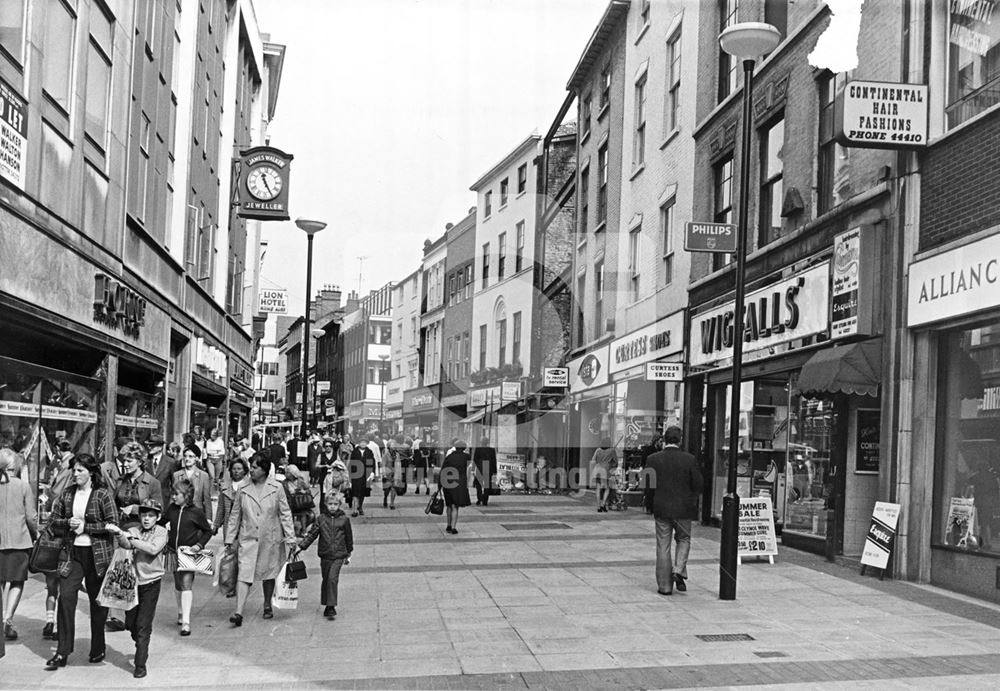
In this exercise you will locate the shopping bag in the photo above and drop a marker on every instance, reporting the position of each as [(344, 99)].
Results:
[(226, 572), (286, 592), (202, 562), (120, 589), (435, 504), (46, 553)]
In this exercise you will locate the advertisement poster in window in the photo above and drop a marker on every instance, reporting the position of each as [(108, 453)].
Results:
[(867, 453), (961, 521)]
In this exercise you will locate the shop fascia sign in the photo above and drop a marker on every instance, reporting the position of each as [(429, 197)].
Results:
[(881, 115), (588, 371), (242, 375), (651, 342), (794, 308), (478, 398), (961, 281), (262, 184), (117, 306), (421, 400)]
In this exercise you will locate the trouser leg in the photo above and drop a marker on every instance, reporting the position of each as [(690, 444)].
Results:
[(139, 620), (664, 565), (98, 614), (682, 535), (324, 568), (69, 589), (331, 580)]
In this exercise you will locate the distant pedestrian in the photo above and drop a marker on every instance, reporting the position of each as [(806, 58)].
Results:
[(215, 456), (189, 532), (454, 483), (361, 470), (147, 540), (484, 458), (672, 498), (276, 451), (238, 469), (162, 465), (260, 526), (82, 514), (602, 464), (18, 531), (336, 542)]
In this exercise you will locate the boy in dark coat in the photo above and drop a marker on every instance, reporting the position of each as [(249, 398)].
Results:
[(336, 542)]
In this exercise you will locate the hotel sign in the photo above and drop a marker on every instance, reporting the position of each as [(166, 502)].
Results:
[(961, 281), (794, 308), (273, 301), (649, 343)]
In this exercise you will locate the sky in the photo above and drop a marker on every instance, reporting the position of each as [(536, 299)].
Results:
[(392, 109)]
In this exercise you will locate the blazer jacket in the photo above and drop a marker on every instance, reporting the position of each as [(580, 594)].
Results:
[(100, 511), (676, 484)]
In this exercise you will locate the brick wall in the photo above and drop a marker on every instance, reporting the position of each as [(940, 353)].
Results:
[(960, 185)]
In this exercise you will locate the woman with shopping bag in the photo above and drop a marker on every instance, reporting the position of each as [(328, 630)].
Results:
[(260, 525), (147, 542), (83, 514), (226, 564), (189, 532)]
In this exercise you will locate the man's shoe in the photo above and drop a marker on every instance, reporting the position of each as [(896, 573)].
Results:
[(55, 662), (354, 514), (114, 624), (361, 512), (8, 631), (268, 613), (665, 592), (328, 612), (48, 631), (236, 619), (139, 672), (94, 659), (679, 583)]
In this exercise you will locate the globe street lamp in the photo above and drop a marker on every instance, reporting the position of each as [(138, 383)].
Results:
[(381, 401), (310, 227), (745, 41)]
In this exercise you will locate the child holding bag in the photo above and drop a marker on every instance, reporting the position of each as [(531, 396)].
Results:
[(336, 542), (147, 540)]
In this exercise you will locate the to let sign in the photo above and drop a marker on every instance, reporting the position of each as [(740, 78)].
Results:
[(710, 237)]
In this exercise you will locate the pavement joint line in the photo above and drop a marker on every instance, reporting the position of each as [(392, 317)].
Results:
[(514, 566), (512, 538)]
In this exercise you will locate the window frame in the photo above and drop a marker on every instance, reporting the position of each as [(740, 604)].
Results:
[(639, 135), (602, 185), (599, 321), (634, 261), (722, 213), (515, 348), (586, 108), (504, 192), (667, 239), (728, 72), (519, 239), (18, 57), (605, 93), (486, 265), (522, 178), (673, 90), (584, 199), (501, 255), (769, 181), (487, 204)]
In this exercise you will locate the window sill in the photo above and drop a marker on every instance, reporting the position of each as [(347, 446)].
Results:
[(603, 111), (670, 137), (582, 243), (521, 194), (502, 207), (642, 32), (637, 171), (584, 137), (600, 226)]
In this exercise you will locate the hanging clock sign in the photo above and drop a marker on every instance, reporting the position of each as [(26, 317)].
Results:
[(262, 188)]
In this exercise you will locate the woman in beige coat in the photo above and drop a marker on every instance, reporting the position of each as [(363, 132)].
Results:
[(260, 524)]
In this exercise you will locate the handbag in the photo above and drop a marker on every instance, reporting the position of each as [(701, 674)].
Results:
[(300, 501), (400, 488), (202, 562), (120, 588), (295, 571), (435, 505), (47, 552)]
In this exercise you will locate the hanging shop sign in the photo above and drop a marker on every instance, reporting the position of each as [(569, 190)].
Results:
[(117, 306), (588, 371), (961, 281), (556, 377), (330, 406), (756, 534), (664, 371), (242, 376), (262, 189), (322, 387), (868, 451), (794, 308), (710, 237), (881, 535), (651, 342), (13, 135), (881, 115), (273, 301), (510, 391), (852, 303)]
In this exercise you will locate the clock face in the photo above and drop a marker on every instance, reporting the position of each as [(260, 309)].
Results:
[(264, 182)]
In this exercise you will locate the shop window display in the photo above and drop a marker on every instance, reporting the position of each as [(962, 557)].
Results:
[(138, 415), (640, 416), (967, 453), (39, 409)]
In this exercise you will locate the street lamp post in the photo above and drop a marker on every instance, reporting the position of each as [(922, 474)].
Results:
[(311, 228), (381, 402), (317, 334), (746, 41)]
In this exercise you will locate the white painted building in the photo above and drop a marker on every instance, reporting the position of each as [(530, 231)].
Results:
[(405, 353)]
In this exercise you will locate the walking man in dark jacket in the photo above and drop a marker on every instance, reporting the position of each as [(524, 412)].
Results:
[(485, 460), (674, 485)]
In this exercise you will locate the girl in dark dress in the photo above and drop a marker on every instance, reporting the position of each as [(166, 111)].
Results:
[(454, 483)]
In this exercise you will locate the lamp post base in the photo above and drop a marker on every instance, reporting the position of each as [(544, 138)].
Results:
[(729, 546)]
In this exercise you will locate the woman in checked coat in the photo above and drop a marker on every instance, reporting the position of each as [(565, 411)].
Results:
[(260, 524)]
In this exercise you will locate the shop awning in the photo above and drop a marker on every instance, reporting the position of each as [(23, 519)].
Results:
[(475, 417), (851, 369)]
